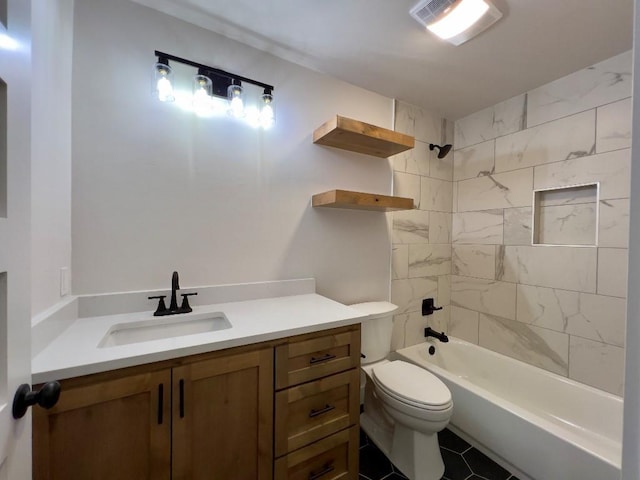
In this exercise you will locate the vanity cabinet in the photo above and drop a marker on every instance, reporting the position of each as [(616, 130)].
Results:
[(317, 406), (286, 409), (202, 416)]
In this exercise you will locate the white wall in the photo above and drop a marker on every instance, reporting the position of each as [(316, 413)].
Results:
[(156, 189), (51, 149)]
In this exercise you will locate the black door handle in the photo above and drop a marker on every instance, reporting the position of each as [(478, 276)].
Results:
[(24, 398)]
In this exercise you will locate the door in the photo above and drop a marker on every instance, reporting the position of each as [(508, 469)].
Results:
[(115, 425), (222, 417), (15, 162)]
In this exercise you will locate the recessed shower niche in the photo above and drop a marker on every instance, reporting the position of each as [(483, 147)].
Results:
[(566, 215)]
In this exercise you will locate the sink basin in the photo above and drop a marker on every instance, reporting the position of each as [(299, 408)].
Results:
[(163, 327)]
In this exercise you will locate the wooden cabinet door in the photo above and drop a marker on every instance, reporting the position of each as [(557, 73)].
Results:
[(223, 418), (109, 429)]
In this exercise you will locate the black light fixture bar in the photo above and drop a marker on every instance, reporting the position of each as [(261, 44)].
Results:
[(211, 70)]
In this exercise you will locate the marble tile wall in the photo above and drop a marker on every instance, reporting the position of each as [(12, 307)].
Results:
[(561, 308), (421, 255)]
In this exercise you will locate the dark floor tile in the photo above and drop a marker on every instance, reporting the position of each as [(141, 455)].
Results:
[(455, 467), (450, 440), (373, 463), (364, 440), (395, 476), (397, 470), (513, 477), (482, 465)]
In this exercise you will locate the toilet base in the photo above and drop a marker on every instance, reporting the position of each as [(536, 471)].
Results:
[(416, 455)]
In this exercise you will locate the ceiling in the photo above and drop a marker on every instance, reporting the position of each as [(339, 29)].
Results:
[(375, 44)]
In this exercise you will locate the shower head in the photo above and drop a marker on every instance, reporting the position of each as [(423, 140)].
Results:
[(443, 150)]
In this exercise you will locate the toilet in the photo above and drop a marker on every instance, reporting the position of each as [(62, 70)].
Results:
[(405, 406)]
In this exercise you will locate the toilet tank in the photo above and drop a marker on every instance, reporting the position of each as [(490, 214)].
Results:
[(376, 330)]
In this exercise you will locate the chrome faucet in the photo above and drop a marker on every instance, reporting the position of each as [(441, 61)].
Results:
[(173, 309), (430, 332)]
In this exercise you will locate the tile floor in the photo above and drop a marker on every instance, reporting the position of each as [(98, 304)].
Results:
[(461, 460)]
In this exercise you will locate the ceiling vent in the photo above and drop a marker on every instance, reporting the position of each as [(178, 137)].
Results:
[(456, 21)]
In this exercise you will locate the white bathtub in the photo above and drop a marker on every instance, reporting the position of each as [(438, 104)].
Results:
[(546, 426)]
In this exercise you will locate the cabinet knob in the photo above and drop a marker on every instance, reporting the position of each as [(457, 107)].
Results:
[(24, 398)]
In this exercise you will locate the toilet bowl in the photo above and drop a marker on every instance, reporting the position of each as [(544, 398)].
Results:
[(405, 406)]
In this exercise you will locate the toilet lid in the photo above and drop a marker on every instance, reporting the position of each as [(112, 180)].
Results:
[(412, 384)]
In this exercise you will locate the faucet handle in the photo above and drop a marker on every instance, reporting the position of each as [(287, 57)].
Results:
[(185, 307), (162, 308)]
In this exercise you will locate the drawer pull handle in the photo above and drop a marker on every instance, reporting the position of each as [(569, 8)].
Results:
[(315, 413), (181, 404), (326, 468), (160, 402), (323, 358)]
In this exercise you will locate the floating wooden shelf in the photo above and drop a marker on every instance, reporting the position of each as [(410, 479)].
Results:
[(356, 136), (361, 201)]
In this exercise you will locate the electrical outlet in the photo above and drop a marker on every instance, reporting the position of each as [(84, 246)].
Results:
[(65, 281)]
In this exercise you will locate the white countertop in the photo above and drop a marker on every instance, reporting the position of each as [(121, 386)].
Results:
[(75, 351)]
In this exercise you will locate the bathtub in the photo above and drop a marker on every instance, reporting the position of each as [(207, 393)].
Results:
[(542, 425)]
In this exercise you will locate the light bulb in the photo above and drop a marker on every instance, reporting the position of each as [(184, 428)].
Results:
[(236, 104), (267, 117), (201, 102), (163, 86)]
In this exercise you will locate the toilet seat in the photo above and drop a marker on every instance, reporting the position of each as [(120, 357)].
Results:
[(412, 385)]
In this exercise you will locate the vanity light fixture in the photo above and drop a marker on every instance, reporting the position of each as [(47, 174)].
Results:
[(163, 80), (202, 87), (236, 103), (211, 85), (456, 21)]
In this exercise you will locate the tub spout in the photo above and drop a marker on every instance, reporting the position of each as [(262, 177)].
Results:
[(429, 332)]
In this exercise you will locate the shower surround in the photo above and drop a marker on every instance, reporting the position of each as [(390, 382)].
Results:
[(561, 308)]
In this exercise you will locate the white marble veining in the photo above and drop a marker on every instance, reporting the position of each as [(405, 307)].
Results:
[(441, 168), (444, 290), (597, 364), (563, 139), (426, 260), (75, 351), (408, 293), (478, 227), (612, 271), (567, 225), (487, 296), (436, 194), (407, 185), (611, 169), (422, 124), (537, 346), (602, 83), (614, 223), (517, 226), (614, 126), (454, 190), (474, 261), (501, 190), (568, 196), (410, 226), (440, 227), (596, 317), (501, 119), (474, 161), (400, 261), (570, 268), (464, 324), (415, 160)]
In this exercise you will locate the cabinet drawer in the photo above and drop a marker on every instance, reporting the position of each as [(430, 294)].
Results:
[(316, 356), (314, 410), (333, 458)]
